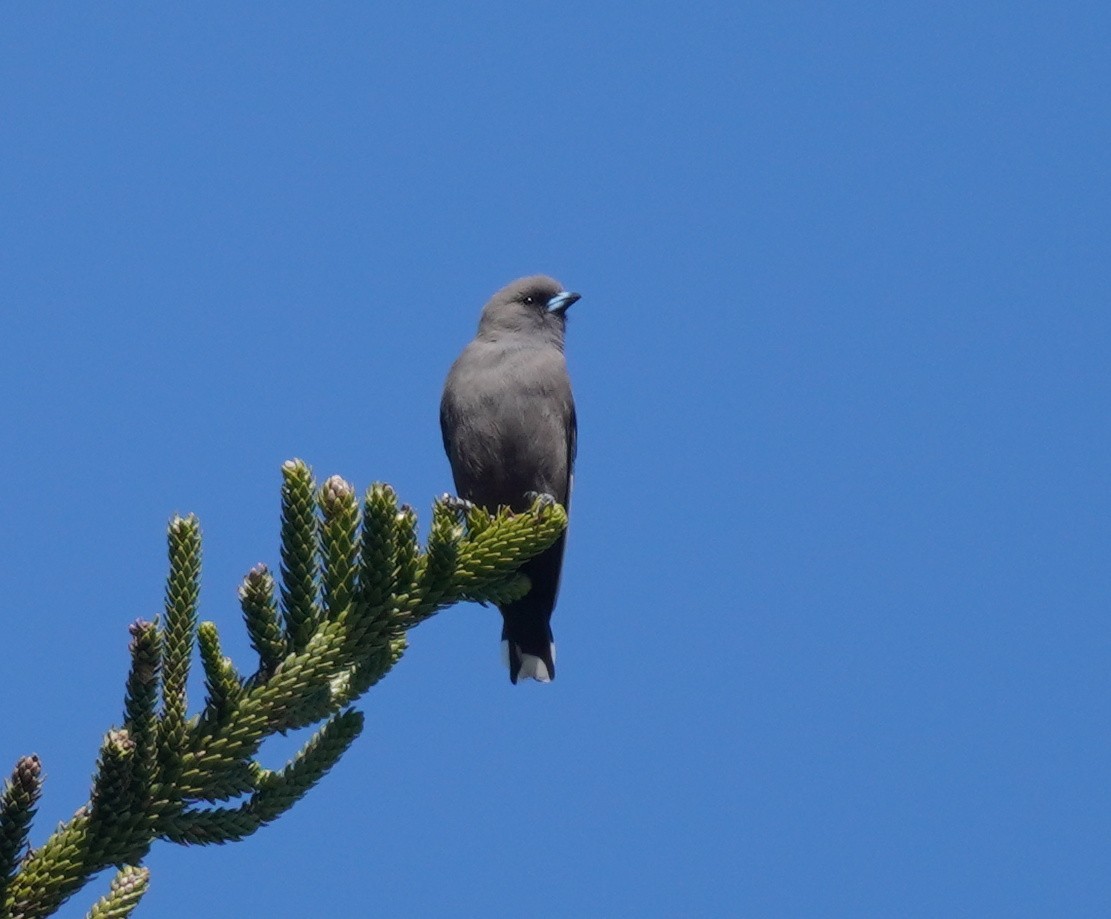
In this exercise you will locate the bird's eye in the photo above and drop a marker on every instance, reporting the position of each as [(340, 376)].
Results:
[(530, 300)]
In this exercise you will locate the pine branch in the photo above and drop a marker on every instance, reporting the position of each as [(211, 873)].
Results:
[(260, 612), (354, 580), (141, 699), (339, 547), (17, 809), (223, 684), (127, 888), (299, 553), (182, 595)]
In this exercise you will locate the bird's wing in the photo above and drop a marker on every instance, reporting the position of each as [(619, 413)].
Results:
[(450, 408), (445, 410), (572, 450)]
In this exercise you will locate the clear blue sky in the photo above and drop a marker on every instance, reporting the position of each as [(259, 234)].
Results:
[(834, 631)]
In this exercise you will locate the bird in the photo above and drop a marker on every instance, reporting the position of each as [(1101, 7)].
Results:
[(508, 421)]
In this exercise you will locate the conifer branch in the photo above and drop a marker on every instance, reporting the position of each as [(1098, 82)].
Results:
[(260, 613), (17, 809), (182, 595), (353, 581), (127, 888), (299, 552)]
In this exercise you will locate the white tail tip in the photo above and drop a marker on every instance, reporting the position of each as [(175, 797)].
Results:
[(532, 667)]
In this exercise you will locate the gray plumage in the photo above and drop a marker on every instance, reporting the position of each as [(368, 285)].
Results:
[(508, 421)]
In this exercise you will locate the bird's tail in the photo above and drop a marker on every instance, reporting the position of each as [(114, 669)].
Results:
[(530, 657), (526, 623)]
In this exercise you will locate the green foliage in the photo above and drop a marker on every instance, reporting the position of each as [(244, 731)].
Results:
[(129, 884), (353, 581), (17, 809)]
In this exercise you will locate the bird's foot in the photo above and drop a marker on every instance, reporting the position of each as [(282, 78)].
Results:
[(543, 498), (456, 504)]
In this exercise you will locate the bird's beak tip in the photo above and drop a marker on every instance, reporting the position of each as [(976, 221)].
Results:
[(562, 300)]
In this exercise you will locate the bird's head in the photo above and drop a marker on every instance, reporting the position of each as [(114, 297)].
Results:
[(533, 306)]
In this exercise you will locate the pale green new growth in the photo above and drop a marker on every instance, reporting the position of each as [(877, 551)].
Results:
[(129, 884), (353, 581)]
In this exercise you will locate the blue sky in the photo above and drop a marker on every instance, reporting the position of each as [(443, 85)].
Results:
[(834, 633)]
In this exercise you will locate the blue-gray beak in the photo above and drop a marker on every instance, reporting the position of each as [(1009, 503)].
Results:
[(559, 303)]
